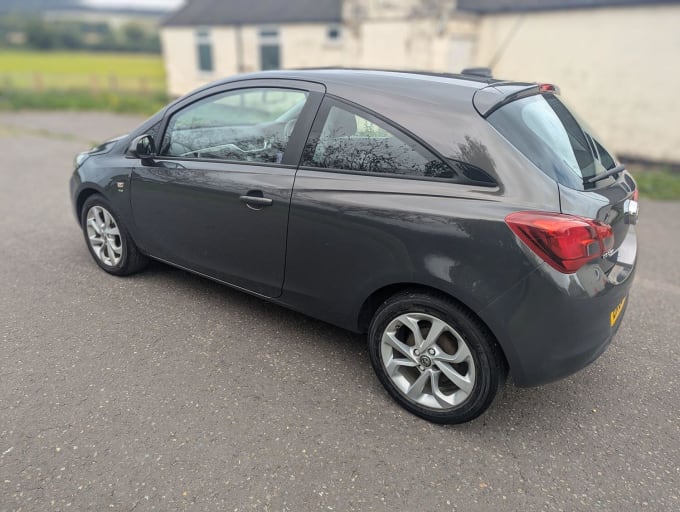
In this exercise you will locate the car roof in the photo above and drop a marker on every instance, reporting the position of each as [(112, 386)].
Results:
[(335, 78), (384, 91)]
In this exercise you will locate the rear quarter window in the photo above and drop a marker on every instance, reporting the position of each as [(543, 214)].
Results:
[(351, 142), (349, 139)]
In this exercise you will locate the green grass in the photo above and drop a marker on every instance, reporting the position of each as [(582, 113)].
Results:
[(81, 81), (658, 184), (81, 70)]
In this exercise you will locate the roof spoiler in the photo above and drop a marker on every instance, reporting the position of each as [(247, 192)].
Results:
[(482, 72), (492, 97)]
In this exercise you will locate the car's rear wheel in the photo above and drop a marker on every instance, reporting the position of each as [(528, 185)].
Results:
[(435, 358), (108, 240)]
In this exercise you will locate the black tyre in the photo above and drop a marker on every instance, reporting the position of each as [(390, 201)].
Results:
[(107, 239), (435, 358)]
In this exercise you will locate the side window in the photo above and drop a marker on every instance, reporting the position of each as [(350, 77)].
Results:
[(351, 141), (247, 125)]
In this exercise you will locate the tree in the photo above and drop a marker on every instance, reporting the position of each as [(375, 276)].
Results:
[(40, 36), (137, 37), (134, 33), (36, 6), (70, 36)]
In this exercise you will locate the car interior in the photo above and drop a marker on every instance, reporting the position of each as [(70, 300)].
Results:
[(209, 137), (350, 142)]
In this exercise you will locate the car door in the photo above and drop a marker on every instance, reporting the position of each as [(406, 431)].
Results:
[(216, 198)]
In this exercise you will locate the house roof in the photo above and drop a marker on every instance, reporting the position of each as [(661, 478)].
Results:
[(492, 6), (255, 12)]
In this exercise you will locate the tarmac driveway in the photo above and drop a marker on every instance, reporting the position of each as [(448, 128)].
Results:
[(165, 391)]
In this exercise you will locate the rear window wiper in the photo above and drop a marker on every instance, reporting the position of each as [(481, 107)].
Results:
[(611, 172)]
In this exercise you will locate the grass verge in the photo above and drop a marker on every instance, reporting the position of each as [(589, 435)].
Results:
[(127, 102), (658, 184)]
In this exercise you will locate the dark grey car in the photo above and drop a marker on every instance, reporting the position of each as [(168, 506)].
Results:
[(470, 226)]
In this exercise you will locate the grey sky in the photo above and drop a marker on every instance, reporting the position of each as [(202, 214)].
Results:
[(170, 4)]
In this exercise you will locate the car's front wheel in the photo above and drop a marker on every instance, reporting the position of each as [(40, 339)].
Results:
[(435, 358), (108, 240)]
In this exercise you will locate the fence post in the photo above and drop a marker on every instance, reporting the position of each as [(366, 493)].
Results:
[(38, 82), (143, 85), (113, 83), (94, 84)]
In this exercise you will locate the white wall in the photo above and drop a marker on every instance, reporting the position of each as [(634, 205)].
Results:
[(439, 45), (619, 68), (418, 44), (304, 45)]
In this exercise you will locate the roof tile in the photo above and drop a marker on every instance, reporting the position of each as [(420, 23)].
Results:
[(255, 12), (491, 6)]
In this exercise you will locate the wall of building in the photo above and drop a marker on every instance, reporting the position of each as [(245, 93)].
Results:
[(386, 43), (304, 45), (180, 56), (617, 67), (443, 45)]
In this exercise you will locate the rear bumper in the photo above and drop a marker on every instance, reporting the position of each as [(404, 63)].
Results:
[(550, 325)]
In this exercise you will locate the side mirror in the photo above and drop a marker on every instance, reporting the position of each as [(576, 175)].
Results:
[(144, 148)]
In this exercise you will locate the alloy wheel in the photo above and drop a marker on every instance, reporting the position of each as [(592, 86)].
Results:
[(104, 236), (428, 361)]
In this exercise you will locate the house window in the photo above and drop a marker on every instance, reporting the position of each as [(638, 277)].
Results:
[(205, 50), (334, 33), (270, 48)]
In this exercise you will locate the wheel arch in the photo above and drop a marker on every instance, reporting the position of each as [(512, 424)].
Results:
[(82, 196)]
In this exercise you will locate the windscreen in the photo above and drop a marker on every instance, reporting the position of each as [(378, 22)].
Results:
[(547, 133)]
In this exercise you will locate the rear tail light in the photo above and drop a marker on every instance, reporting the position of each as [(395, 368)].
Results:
[(636, 194), (565, 242)]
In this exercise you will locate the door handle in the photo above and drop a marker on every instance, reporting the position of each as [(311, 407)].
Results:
[(256, 202)]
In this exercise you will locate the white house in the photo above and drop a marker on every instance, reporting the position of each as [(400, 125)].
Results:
[(207, 39), (616, 61)]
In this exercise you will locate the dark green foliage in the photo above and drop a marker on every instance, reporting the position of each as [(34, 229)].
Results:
[(36, 5), (40, 34)]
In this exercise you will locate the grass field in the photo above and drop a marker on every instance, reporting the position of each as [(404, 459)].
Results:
[(76, 70), (81, 81)]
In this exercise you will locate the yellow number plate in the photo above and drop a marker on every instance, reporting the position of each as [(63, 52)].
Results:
[(616, 313)]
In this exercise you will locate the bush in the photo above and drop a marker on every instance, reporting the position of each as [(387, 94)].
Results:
[(45, 35)]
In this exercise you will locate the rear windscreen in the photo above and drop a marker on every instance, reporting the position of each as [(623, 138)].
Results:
[(547, 133)]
